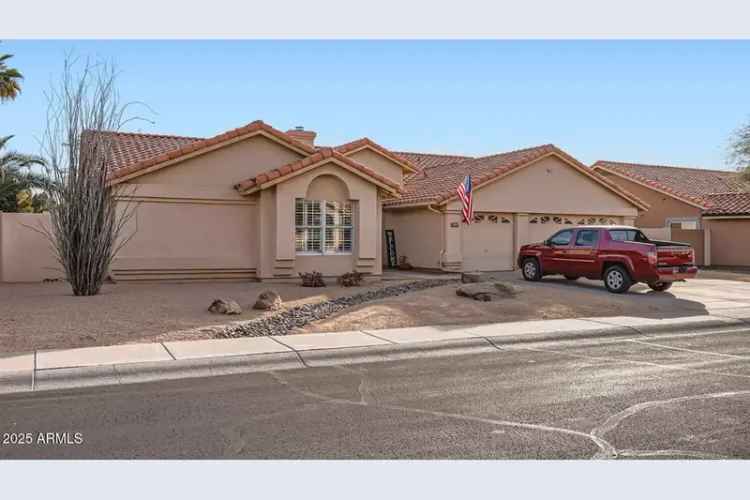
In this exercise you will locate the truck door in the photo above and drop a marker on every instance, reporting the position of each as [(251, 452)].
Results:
[(582, 254), (555, 250)]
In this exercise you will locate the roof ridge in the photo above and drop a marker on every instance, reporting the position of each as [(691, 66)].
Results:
[(143, 134), (530, 148), (432, 154), (597, 162)]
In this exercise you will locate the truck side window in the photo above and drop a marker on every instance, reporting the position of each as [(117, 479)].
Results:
[(628, 235), (587, 238), (562, 238)]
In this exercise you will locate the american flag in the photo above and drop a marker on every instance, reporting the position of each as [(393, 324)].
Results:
[(465, 193)]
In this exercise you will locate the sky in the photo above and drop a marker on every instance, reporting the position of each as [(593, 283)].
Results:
[(662, 102)]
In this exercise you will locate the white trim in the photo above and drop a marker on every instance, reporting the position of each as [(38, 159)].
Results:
[(717, 217)]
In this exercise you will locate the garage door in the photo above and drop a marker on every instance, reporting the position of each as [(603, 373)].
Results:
[(542, 227), (488, 243)]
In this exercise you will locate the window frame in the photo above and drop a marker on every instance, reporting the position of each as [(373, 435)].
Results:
[(559, 233), (323, 227), (594, 241)]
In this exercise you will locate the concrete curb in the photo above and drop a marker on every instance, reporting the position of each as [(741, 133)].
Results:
[(467, 340)]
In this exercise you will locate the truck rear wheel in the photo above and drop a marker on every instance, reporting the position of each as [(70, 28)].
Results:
[(530, 269), (660, 286), (617, 279)]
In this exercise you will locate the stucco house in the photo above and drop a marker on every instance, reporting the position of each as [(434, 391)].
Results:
[(256, 202), (708, 208), (259, 203)]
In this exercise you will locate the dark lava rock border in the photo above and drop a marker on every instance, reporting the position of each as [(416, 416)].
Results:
[(281, 323)]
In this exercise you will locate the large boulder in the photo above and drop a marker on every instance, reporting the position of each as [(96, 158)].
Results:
[(268, 300), (487, 292), (225, 306)]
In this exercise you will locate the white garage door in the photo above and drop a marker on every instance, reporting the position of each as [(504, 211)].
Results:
[(542, 227), (488, 243)]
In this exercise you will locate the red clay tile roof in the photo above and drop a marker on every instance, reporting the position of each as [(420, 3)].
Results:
[(366, 141), (129, 148), (692, 185), (728, 204), (164, 150), (428, 160), (311, 161), (438, 184)]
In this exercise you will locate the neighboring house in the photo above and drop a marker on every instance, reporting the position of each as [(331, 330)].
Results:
[(256, 202), (519, 197), (708, 208)]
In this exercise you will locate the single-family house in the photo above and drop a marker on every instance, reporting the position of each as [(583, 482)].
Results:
[(708, 208), (259, 203)]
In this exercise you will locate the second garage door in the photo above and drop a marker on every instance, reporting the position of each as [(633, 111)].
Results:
[(487, 244)]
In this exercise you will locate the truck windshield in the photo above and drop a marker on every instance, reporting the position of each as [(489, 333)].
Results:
[(628, 235)]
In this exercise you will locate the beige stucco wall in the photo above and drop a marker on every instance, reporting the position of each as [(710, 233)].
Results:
[(189, 235), (730, 241), (327, 180), (189, 221), (549, 186), (217, 171), (662, 206), (379, 164), (25, 254), (418, 233)]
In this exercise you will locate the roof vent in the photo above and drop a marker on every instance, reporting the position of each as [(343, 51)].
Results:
[(300, 134)]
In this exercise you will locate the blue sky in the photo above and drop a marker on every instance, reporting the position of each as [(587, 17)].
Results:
[(642, 101)]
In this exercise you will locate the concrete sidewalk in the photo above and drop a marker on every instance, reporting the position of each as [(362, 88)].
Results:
[(132, 363)]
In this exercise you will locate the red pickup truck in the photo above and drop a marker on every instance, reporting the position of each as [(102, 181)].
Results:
[(619, 255)]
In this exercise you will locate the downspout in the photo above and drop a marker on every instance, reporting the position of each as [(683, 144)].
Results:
[(442, 235)]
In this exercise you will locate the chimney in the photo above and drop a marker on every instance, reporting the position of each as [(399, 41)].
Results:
[(302, 135)]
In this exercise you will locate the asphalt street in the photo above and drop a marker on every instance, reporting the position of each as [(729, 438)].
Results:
[(669, 396)]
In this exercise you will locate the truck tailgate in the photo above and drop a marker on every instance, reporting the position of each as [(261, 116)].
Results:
[(670, 256)]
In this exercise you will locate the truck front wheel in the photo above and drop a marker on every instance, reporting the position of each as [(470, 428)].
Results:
[(530, 269), (660, 286), (617, 279)]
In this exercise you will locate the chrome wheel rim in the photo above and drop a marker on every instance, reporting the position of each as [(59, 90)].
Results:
[(615, 279), (529, 269)]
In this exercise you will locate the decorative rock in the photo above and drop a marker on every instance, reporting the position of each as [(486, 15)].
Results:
[(284, 321), (475, 277), (225, 306), (487, 292), (268, 300)]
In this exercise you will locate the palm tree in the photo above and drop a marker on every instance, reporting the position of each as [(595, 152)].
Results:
[(10, 78), (18, 183)]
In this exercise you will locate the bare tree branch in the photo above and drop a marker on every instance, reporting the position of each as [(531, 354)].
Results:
[(88, 216)]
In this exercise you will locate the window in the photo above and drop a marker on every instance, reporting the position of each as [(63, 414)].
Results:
[(587, 238), (323, 227), (561, 239), (628, 235)]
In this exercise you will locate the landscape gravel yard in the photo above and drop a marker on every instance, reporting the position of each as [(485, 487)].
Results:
[(48, 316)]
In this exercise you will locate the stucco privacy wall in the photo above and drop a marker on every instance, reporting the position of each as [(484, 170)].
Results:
[(729, 242), (661, 207), (189, 221), (25, 254)]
